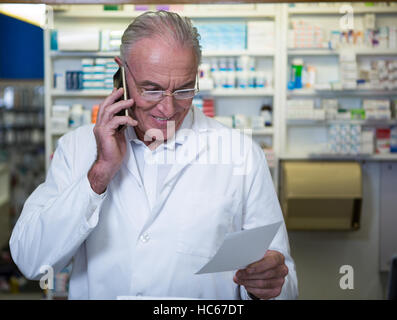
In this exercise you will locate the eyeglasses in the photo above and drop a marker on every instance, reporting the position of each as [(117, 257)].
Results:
[(157, 95)]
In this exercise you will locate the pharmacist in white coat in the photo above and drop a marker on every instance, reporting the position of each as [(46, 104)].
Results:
[(138, 211)]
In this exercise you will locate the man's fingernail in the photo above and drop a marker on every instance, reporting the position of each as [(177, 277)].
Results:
[(250, 271)]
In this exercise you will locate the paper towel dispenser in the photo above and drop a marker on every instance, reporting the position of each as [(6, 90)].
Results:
[(321, 195)]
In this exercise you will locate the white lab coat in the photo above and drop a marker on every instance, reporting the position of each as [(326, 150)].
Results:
[(121, 247)]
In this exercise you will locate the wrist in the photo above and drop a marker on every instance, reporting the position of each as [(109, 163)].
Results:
[(99, 177)]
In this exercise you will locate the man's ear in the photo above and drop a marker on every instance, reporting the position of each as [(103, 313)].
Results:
[(118, 61)]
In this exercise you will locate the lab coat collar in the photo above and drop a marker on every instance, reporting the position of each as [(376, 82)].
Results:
[(195, 121)]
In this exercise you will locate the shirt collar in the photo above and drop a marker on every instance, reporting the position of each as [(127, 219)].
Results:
[(179, 137)]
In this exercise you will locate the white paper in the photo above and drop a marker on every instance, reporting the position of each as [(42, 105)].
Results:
[(241, 248)]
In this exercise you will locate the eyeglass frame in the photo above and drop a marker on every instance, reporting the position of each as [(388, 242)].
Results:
[(164, 92)]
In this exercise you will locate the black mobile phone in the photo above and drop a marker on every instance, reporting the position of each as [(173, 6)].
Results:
[(120, 82)]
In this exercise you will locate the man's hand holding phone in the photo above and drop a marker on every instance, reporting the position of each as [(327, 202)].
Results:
[(111, 143)]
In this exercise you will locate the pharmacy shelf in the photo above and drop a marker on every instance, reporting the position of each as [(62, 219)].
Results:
[(312, 52), (82, 54), (110, 54), (237, 53), (328, 52), (231, 92), (345, 93), (375, 52), (263, 132), (321, 10), (80, 93), (310, 122)]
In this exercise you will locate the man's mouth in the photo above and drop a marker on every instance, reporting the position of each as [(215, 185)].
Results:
[(161, 118)]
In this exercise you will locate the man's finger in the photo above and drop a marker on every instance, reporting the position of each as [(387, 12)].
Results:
[(263, 284), (110, 99), (278, 272), (270, 260), (120, 121), (110, 111)]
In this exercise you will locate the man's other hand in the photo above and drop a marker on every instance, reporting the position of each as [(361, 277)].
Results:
[(264, 279)]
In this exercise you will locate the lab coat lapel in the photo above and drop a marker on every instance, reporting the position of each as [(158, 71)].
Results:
[(191, 150), (130, 161)]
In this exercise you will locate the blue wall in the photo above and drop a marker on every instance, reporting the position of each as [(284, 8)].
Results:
[(21, 50)]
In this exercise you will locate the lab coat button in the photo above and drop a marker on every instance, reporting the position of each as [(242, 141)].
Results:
[(145, 238)]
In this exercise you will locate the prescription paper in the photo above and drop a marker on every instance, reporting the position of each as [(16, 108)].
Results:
[(241, 248)]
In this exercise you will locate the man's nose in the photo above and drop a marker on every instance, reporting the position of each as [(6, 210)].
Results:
[(167, 106)]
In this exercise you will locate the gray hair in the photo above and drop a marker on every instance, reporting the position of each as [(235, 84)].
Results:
[(161, 24)]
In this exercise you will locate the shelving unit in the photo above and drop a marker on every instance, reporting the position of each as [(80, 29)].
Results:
[(345, 93), (229, 101), (305, 139)]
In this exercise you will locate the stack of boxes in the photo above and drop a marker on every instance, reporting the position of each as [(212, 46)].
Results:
[(93, 74), (237, 73), (111, 68), (65, 117), (222, 36), (98, 73), (344, 139), (382, 75), (303, 109), (364, 35), (348, 70), (111, 40), (60, 117), (377, 109), (305, 35), (367, 141), (330, 107), (260, 36)]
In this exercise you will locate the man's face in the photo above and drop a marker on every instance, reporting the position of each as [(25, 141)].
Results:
[(157, 65)]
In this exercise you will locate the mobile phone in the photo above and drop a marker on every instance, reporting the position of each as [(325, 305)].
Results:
[(118, 82)]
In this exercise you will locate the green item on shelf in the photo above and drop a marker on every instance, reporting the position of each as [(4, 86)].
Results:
[(368, 4), (112, 7), (357, 114)]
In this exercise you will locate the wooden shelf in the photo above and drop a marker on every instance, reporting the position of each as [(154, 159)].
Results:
[(309, 122)]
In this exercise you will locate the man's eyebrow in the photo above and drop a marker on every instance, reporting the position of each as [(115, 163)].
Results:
[(188, 84), (150, 83)]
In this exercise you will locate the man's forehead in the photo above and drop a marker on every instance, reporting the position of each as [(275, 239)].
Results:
[(158, 53)]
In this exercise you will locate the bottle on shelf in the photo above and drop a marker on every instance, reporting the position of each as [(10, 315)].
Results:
[(266, 113)]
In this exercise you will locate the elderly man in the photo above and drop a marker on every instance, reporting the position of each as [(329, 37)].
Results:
[(133, 224)]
